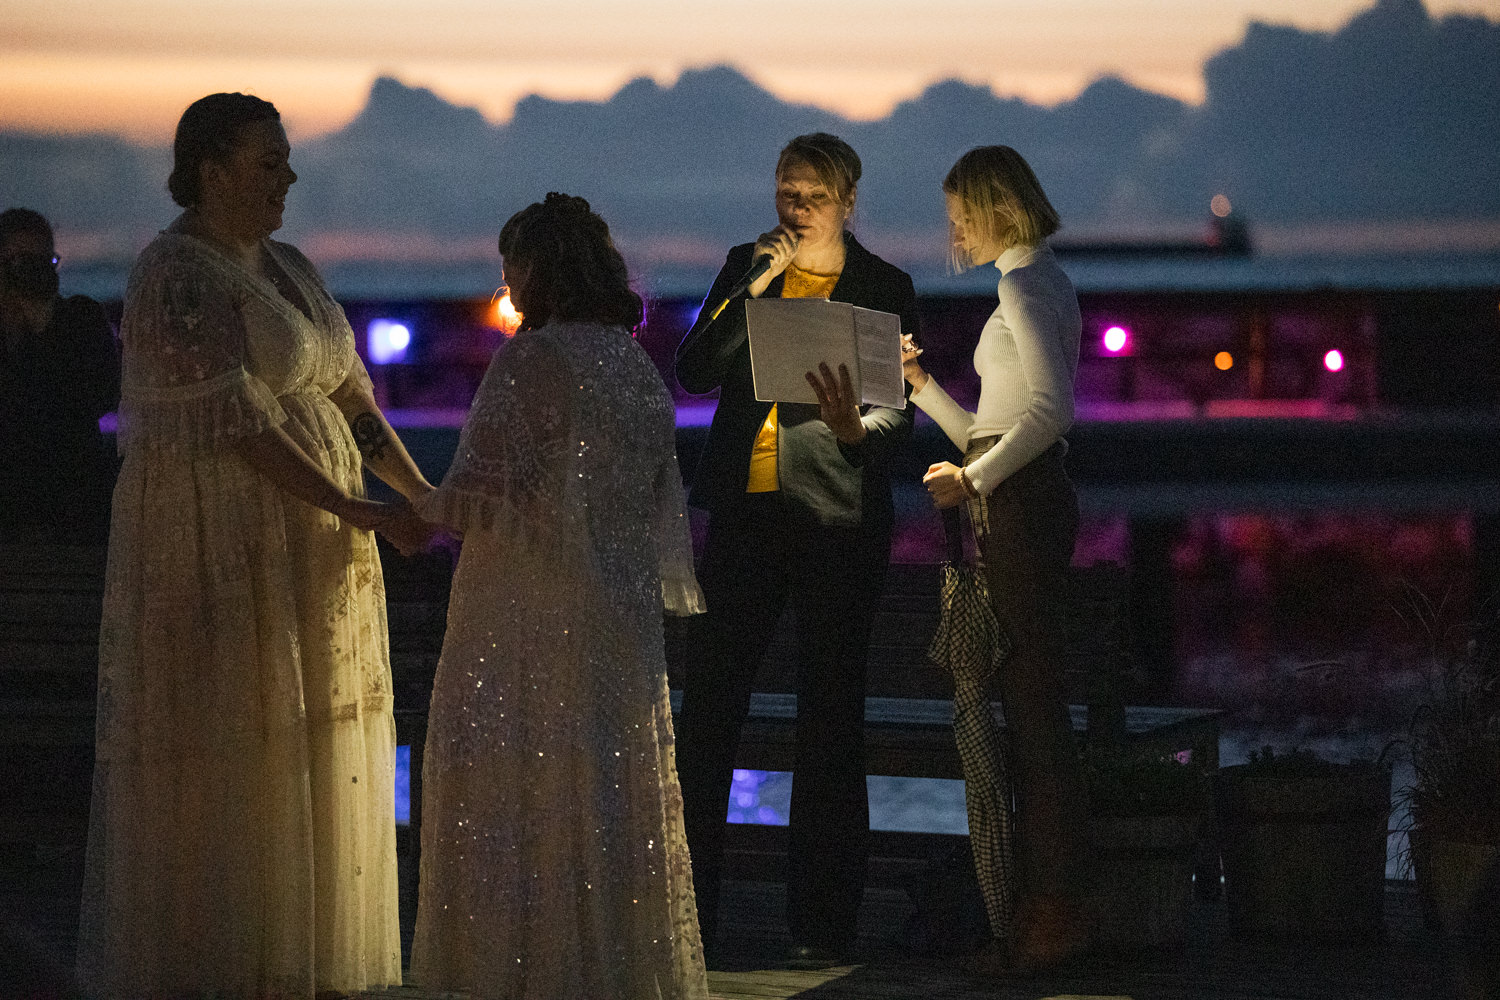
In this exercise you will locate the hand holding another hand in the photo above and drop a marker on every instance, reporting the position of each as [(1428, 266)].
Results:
[(397, 520), (366, 515), (408, 532)]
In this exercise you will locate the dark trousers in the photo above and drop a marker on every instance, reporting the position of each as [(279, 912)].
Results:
[(759, 559), (1026, 527)]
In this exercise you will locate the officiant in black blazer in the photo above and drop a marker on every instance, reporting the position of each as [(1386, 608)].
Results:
[(800, 517)]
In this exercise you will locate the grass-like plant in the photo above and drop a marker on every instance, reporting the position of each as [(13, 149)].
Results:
[(1453, 740)]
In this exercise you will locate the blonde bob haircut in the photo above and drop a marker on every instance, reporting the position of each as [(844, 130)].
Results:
[(1002, 199)]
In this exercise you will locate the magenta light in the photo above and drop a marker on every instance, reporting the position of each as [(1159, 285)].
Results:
[(1334, 361), (1115, 339)]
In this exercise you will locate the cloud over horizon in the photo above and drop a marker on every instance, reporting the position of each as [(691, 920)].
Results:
[(1389, 119)]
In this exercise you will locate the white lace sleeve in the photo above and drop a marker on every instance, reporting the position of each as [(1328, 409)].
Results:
[(680, 594), (184, 385), (511, 464)]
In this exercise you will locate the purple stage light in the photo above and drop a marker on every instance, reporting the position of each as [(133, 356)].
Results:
[(1334, 361), (387, 341)]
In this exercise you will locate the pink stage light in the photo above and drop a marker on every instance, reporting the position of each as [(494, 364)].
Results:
[(1116, 338), (1334, 361)]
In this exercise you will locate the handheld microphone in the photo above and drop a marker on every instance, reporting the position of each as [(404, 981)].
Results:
[(761, 265), (758, 269)]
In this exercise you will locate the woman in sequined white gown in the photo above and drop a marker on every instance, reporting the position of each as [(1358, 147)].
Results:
[(554, 863)]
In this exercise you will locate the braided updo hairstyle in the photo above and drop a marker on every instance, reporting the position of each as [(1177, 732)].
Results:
[(573, 271)]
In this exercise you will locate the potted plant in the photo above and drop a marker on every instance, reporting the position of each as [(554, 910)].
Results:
[(1303, 844), (1147, 817), (1453, 798)]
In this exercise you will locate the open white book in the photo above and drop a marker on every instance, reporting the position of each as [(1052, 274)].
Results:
[(790, 337)]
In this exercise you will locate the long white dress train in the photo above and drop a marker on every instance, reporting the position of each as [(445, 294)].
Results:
[(554, 863), (242, 836)]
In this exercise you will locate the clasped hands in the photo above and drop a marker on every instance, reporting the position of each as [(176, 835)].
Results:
[(396, 519)]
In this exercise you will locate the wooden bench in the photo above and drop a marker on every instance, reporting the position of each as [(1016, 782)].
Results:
[(50, 599), (913, 737), (1098, 671), (908, 731)]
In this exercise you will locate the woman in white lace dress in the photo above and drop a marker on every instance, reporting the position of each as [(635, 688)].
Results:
[(242, 839), (554, 863)]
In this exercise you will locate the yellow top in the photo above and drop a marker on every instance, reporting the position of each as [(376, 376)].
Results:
[(799, 284)]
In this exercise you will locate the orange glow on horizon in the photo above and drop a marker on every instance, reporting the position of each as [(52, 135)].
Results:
[(141, 99), (130, 66)]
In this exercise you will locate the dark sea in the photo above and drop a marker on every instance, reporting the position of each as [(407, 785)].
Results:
[(1258, 272)]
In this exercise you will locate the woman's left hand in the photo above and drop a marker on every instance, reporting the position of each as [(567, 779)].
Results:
[(943, 484), (837, 404)]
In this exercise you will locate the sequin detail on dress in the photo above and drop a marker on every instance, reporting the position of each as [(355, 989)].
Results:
[(554, 863)]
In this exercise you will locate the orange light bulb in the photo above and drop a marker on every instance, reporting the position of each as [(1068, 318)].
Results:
[(506, 316)]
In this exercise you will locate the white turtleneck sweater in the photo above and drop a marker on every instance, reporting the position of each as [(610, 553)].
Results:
[(1026, 358)]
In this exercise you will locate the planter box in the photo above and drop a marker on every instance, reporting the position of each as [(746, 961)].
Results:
[(1459, 884), (1143, 881), (1304, 855)]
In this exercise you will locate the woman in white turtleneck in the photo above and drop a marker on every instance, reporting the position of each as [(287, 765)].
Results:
[(1025, 514)]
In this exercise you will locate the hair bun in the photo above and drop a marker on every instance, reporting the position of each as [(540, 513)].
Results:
[(573, 204)]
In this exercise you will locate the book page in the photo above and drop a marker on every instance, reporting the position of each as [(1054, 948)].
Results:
[(878, 339), (788, 339)]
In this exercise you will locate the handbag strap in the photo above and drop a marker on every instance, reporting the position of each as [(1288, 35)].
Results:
[(953, 533)]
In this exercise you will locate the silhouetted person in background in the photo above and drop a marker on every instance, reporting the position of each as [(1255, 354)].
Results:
[(59, 373)]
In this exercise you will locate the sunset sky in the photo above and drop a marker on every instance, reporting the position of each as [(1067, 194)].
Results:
[(130, 66)]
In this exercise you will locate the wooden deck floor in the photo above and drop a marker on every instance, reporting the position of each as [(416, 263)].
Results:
[(40, 905), (1214, 964), (1407, 966)]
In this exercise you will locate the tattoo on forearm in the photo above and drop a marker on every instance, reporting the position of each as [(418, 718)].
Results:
[(370, 435)]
